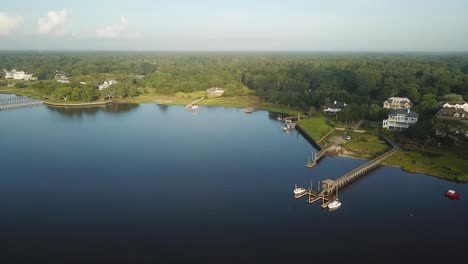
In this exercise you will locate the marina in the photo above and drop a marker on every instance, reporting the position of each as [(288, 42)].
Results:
[(14, 102)]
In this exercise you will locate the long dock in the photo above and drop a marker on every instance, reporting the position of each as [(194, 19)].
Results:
[(330, 186), (13, 102), (189, 106)]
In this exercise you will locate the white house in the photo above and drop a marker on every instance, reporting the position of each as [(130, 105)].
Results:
[(61, 78), (462, 105), (334, 107), (18, 75), (106, 84), (397, 103), (215, 91), (400, 119)]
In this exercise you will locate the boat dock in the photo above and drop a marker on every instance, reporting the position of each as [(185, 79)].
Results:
[(317, 157), (14, 102), (329, 187), (251, 109), (189, 106)]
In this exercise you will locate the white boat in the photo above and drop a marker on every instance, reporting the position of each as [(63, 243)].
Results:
[(299, 190), (194, 107), (335, 204)]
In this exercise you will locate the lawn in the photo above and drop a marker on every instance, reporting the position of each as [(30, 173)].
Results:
[(276, 108), (365, 145), (316, 127)]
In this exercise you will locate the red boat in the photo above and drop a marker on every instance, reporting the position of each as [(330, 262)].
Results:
[(452, 194)]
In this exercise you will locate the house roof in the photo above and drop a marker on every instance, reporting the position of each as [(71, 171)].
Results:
[(400, 99), (405, 112), (449, 112), (335, 105)]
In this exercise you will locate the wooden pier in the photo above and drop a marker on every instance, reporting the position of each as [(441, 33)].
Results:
[(330, 186), (317, 157), (189, 106), (13, 102), (250, 110)]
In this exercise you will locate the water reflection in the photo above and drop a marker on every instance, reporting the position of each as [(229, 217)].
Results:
[(74, 112)]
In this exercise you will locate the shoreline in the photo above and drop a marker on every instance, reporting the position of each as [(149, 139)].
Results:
[(77, 105)]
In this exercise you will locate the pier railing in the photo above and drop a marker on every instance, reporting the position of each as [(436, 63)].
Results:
[(13, 102)]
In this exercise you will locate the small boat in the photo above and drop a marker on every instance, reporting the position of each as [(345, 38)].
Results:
[(299, 190), (335, 204), (452, 194), (195, 107)]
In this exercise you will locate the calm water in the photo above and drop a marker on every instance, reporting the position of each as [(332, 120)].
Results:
[(147, 183)]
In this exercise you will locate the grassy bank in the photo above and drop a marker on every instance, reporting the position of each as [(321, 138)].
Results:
[(365, 145), (316, 127), (445, 166)]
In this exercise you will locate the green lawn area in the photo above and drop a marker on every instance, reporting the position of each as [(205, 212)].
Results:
[(446, 167), (316, 127), (193, 95), (279, 109), (21, 91), (365, 145)]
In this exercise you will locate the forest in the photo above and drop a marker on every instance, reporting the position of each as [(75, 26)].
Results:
[(299, 80)]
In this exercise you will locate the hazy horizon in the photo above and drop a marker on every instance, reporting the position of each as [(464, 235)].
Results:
[(242, 26)]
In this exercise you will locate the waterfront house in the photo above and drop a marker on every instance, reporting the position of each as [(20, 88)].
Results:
[(61, 78), (106, 84), (400, 119), (456, 105), (397, 103), (215, 91), (334, 107), (18, 75), (457, 114)]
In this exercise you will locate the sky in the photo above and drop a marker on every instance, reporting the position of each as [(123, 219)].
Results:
[(240, 25)]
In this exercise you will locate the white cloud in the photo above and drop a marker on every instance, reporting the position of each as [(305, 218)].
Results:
[(54, 22), (113, 31), (8, 23)]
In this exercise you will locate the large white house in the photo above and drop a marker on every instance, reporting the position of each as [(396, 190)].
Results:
[(334, 107), (18, 75), (397, 103), (461, 105), (215, 91), (106, 84), (61, 78), (400, 119)]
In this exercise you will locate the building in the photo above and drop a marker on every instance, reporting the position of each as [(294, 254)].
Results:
[(18, 75), (459, 105), (106, 84), (400, 119), (334, 107), (215, 91), (457, 114), (61, 78), (397, 103)]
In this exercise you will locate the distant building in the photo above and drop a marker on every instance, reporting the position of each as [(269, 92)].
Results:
[(18, 75), (458, 114), (215, 91), (61, 78), (397, 103), (458, 105), (400, 119), (106, 84), (334, 107)]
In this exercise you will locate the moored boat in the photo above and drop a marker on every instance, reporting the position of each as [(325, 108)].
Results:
[(335, 204), (299, 190), (452, 194)]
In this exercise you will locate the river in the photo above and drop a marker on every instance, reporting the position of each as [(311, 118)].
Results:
[(157, 184)]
